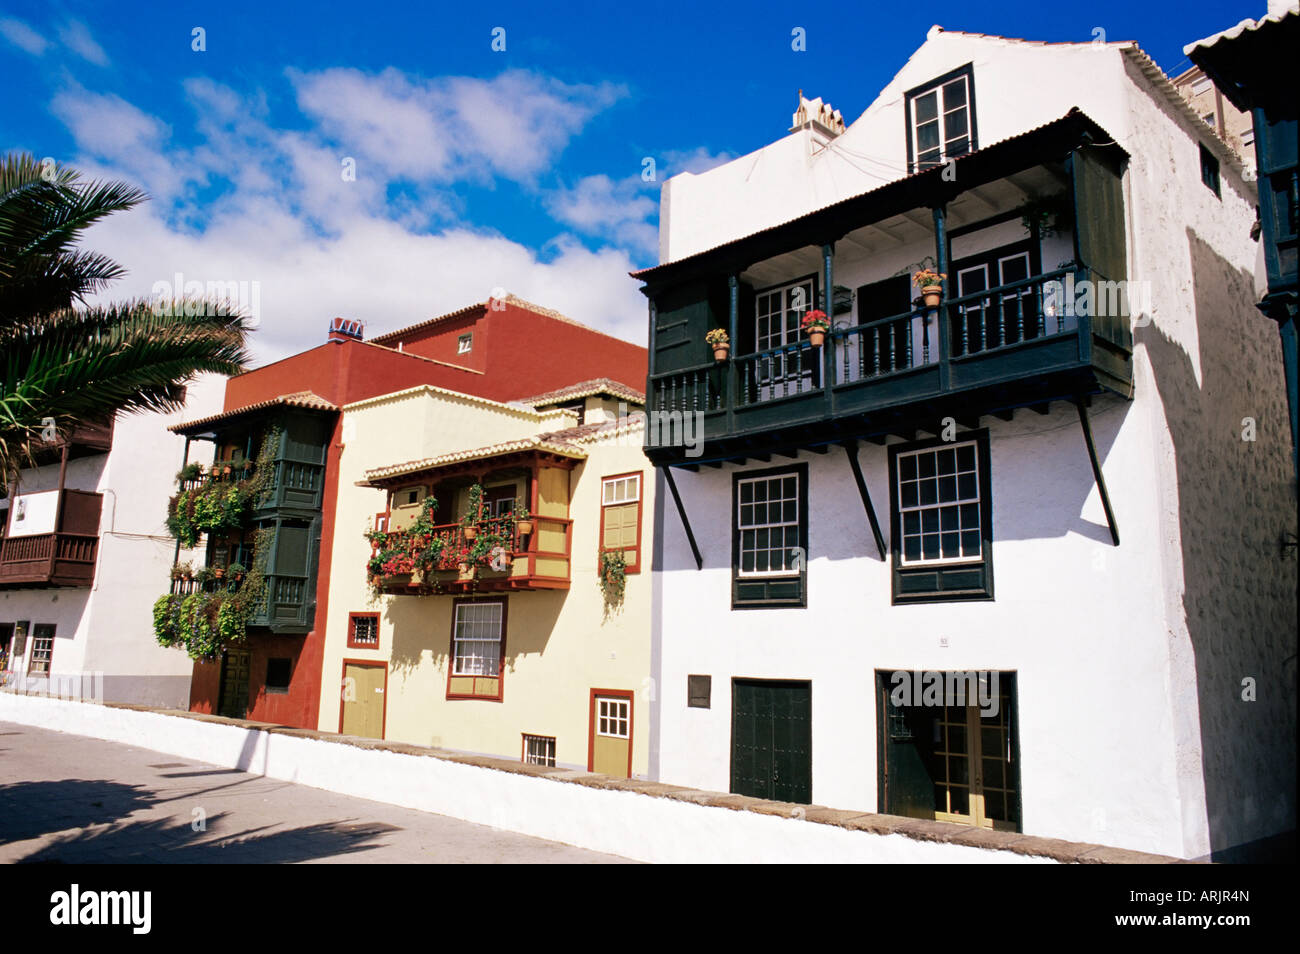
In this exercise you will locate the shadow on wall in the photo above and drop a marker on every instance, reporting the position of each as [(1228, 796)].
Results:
[(422, 624), (1234, 504)]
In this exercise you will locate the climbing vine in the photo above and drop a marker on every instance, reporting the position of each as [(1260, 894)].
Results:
[(221, 502)]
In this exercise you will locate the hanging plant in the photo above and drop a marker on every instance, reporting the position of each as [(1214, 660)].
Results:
[(613, 577), (221, 503)]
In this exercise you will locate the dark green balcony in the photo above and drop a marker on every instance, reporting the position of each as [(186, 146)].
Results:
[(1012, 330)]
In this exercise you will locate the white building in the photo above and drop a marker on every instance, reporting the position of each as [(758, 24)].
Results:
[(1081, 505), (83, 548)]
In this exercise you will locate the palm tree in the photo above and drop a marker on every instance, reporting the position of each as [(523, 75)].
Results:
[(64, 362)]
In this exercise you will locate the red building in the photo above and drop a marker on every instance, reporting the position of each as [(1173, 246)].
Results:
[(500, 349)]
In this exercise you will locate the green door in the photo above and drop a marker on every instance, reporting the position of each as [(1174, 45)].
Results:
[(771, 740), (235, 665), (906, 783)]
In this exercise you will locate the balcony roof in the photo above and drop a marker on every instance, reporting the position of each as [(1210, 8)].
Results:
[(918, 190), (306, 400), (586, 389), (557, 443), (1249, 58)]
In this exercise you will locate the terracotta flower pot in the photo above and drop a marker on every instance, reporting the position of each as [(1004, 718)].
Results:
[(816, 337), (471, 533), (933, 295), (219, 572), (720, 352), (524, 527)]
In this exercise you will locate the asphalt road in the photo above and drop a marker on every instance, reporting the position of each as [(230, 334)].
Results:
[(67, 798)]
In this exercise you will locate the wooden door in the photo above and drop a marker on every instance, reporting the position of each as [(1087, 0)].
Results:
[(771, 740), (233, 697), (610, 745), (364, 689)]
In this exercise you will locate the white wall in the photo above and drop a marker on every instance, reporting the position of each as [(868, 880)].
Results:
[(108, 627), (630, 824), (1134, 730)]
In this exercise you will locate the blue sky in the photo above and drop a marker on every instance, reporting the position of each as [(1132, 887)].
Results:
[(475, 169)]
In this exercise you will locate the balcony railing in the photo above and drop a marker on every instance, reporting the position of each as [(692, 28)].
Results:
[(57, 559), (537, 560), (1021, 333)]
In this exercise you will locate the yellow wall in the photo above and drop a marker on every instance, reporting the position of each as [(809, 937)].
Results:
[(559, 644)]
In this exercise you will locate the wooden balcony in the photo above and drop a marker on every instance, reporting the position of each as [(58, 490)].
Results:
[(539, 560), (83, 441), (1014, 345), (48, 559)]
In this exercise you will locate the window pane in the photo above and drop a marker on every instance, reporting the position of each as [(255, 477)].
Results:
[(927, 107), (954, 94), (927, 136)]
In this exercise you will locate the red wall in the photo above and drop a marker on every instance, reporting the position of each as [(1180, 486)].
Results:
[(516, 353)]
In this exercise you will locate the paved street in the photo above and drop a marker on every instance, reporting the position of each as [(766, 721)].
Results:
[(67, 798)]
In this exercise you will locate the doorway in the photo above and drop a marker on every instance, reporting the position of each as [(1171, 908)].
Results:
[(365, 686), (232, 698), (949, 756), (609, 749), (771, 739)]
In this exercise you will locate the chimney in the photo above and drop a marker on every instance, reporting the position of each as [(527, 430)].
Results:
[(825, 122), (341, 329)]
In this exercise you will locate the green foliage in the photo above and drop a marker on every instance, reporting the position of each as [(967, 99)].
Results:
[(473, 506), (217, 614), (71, 363), (222, 502), (613, 577)]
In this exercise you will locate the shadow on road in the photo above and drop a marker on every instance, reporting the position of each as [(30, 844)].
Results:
[(99, 810)]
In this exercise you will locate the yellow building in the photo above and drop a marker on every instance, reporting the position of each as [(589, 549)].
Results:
[(466, 609)]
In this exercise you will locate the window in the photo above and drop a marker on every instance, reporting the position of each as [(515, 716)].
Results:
[(778, 317), (941, 120), (940, 520), (278, 672), (699, 692), (539, 750), (577, 407), (620, 517), (499, 501), (465, 344), (770, 537), (612, 717), (363, 631), (1209, 118), (1210, 171), (477, 649), (42, 649)]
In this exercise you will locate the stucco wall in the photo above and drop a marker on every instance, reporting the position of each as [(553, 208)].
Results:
[(108, 627), (624, 823), (558, 644), (1130, 660)]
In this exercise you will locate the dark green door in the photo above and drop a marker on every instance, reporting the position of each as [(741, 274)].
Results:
[(771, 740), (233, 702), (906, 783)]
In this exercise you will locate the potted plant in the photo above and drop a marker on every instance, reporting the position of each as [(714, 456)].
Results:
[(181, 571), (720, 341), (473, 508), (931, 284), (237, 571), (523, 522), (816, 324), (219, 571)]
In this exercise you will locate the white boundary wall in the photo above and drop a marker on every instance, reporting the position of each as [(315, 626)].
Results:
[(641, 827)]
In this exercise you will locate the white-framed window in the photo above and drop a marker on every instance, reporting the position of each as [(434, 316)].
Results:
[(613, 717), (465, 344), (769, 524), (478, 639), (620, 490), (539, 750), (778, 313), (42, 654), (939, 121), (939, 505)]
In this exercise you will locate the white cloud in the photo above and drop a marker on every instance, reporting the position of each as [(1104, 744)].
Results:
[(76, 37), (110, 129), (255, 201), (619, 211), (22, 36), (514, 125)]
